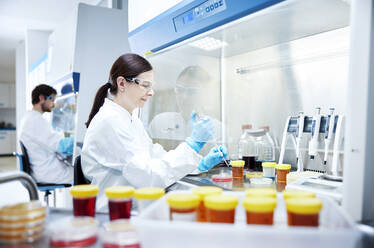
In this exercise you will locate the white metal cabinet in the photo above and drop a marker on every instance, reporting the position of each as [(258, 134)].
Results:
[(7, 141), (12, 95)]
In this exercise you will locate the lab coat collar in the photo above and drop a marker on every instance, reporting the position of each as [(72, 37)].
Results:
[(117, 107)]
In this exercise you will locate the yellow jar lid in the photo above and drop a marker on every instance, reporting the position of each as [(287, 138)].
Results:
[(119, 192), (85, 190), (221, 202), (283, 166), (205, 191), (261, 192), (237, 163), (294, 193), (268, 164), (304, 205), (149, 193), (260, 204), (183, 201)]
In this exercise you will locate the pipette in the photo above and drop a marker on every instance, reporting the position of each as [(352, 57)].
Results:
[(299, 135), (220, 152), (328, 133), (313, 144)]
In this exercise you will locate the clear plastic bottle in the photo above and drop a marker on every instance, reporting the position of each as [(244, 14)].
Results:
[(266, 148), (247, 148)]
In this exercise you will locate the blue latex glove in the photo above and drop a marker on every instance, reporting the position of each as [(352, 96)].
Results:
[(202, 131), (66, 146), (213, 158)]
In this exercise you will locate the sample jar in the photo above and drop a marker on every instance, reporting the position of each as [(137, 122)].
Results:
[(221, 208), (294, 193), (203, 192), (145, 196), (268, 169), (261, 192), (260, 210), (120, 201), (183, 206), (237, 168), (119, 234), (84, 199), (73, 232), (282, 171), (303, 211)]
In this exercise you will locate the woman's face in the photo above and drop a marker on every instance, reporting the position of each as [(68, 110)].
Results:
[(137, 93)]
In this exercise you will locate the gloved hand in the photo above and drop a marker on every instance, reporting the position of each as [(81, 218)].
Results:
[(213, 158), (202, 131), (66, 146)]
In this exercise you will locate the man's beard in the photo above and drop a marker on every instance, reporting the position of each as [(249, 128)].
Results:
[(45, 108)]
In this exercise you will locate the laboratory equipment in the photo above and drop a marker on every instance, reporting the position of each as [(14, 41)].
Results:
[(73, 232), (289, 193), (203, 192), (329, 130), (339, 137), (303, 211), (268, 169), (221, 208), (183, 207), (299, 135), (260, 192), (237, 168), (260, 210), (119, 201), (84, 199), (282, 171), (145, 196), (247, 148), (265, 147), (313, 143), (119, 234)]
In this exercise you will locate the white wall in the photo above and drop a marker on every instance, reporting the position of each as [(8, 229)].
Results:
[(7, 74), (141, 11), (20, 84), (36, 45)]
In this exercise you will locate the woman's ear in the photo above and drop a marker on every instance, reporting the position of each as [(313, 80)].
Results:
[(121, 83)]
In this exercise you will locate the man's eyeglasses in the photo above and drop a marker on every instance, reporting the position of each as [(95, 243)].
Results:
[(147, 85), (50, 98)]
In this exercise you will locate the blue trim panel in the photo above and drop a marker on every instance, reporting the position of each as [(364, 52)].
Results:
[(74, 75), (160, 32), (37, 63)]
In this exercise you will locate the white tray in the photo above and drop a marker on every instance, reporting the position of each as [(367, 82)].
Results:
[(336, 229)]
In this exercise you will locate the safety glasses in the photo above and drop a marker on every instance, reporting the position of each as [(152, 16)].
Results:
[(50, 98), (147, 85)]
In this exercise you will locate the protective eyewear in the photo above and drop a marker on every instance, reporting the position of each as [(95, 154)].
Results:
[(50, 98), (147, 85)]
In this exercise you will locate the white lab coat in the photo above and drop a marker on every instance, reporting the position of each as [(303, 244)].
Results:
[(118, 151), (41, 141)]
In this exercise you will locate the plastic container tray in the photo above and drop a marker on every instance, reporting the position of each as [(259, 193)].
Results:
[(336, 229)]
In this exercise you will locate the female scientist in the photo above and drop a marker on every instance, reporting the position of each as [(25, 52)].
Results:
[(118, 151)]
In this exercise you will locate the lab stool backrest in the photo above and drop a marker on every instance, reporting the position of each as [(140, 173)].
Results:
[(79, 177), (26, 166)]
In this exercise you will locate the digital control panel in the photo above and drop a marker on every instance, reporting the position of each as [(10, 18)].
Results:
[(199, 12)]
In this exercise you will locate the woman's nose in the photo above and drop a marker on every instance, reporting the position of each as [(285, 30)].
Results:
[(150, 93)]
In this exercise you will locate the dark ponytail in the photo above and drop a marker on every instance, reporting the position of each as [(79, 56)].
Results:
[(127, 65)]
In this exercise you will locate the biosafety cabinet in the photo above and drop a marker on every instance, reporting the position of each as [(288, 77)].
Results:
[(261, 62)]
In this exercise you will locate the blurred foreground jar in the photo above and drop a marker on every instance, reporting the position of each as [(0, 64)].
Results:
[(203, 192), (183, 206), (119, 234), (84, 199), (260, 210), (294, 193), (120, 201), (221, 208), (145, 196), (73, 232), (303, 211)]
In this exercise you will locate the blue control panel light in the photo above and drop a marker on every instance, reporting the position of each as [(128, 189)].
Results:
[(199, 12)]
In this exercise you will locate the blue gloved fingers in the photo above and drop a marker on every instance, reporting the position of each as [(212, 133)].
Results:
[(223, 150), (193, 116), (66, 145)]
